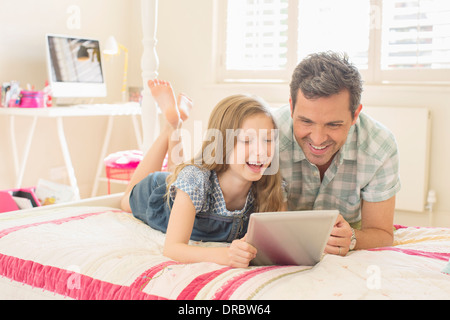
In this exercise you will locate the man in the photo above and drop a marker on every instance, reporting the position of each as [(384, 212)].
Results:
[(332, 156)]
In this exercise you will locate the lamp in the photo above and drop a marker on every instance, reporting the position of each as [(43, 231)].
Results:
[(83, 54), (113, 48)]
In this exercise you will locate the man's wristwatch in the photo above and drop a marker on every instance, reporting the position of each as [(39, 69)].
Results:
[(352, 240)]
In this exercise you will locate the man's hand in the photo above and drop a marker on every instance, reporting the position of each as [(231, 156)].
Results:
[(340, 238)]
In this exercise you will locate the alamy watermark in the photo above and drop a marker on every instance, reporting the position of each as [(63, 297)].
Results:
[(250, 146), (73, 21), (373, 281), (74, 279)]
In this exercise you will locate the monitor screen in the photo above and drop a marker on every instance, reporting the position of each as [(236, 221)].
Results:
[(75, 67)]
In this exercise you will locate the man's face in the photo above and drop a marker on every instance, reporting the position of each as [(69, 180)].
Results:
[(321, 125)]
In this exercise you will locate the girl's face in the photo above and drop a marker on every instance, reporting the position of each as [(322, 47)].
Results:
[(254, 149)]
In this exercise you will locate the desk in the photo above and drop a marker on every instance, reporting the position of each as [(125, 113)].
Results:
[(58, 113)]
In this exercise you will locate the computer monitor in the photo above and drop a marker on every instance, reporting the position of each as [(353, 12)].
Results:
[(75, 67)]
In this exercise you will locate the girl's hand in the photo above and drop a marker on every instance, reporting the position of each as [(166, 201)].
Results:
[(240, 253)]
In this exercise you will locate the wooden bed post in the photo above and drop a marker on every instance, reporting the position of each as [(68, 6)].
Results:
[(149, 66)]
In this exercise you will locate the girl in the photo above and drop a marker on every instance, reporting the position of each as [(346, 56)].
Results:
[(211, 197)]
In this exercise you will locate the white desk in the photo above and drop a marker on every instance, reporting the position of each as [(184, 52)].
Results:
[(58, 113)]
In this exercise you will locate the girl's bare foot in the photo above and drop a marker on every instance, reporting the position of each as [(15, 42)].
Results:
[(184, 106), (163, 94)]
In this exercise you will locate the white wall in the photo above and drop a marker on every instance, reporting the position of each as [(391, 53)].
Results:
[(437, 99)]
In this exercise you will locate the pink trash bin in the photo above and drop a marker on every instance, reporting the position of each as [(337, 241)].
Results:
[(121, 165)]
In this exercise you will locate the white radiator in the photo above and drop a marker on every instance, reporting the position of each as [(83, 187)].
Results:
[(411, 127)]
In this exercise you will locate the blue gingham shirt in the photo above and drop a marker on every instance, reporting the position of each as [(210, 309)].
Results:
[(365, 168), (203, 188)]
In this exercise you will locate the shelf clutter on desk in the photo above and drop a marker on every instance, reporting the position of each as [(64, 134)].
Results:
[(12, 95)]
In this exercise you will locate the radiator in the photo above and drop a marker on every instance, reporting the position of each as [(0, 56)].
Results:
[(411, 127)]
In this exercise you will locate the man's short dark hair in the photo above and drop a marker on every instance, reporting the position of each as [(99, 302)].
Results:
[(325, 74)]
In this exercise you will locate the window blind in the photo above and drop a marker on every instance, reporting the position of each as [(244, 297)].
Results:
[(257, 34), (415, 34)]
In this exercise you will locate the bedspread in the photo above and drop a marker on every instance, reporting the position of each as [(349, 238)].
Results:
[(104, 253)]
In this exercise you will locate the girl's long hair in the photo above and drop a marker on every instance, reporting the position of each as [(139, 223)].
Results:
[(230, 113)]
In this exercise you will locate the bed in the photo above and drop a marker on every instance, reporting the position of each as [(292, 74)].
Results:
[(88, 250)]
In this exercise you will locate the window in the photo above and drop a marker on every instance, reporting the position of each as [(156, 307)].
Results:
[(257, 35), (388, 40), (256, 39), (416, 34), (415, 40), (334, 25)]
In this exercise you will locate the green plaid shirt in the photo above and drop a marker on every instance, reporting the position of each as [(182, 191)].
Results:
[(366, 168)]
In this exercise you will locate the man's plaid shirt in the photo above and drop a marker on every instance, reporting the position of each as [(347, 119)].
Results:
[(365, 168)]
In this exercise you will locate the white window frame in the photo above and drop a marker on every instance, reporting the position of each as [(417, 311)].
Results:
[(373, 75)]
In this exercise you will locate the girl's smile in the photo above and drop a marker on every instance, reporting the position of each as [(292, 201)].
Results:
[(254, 149)]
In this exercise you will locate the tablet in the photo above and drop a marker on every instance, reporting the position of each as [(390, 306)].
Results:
[(291, 237)]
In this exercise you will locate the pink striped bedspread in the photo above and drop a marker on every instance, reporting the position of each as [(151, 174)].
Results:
[(103, 253)]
